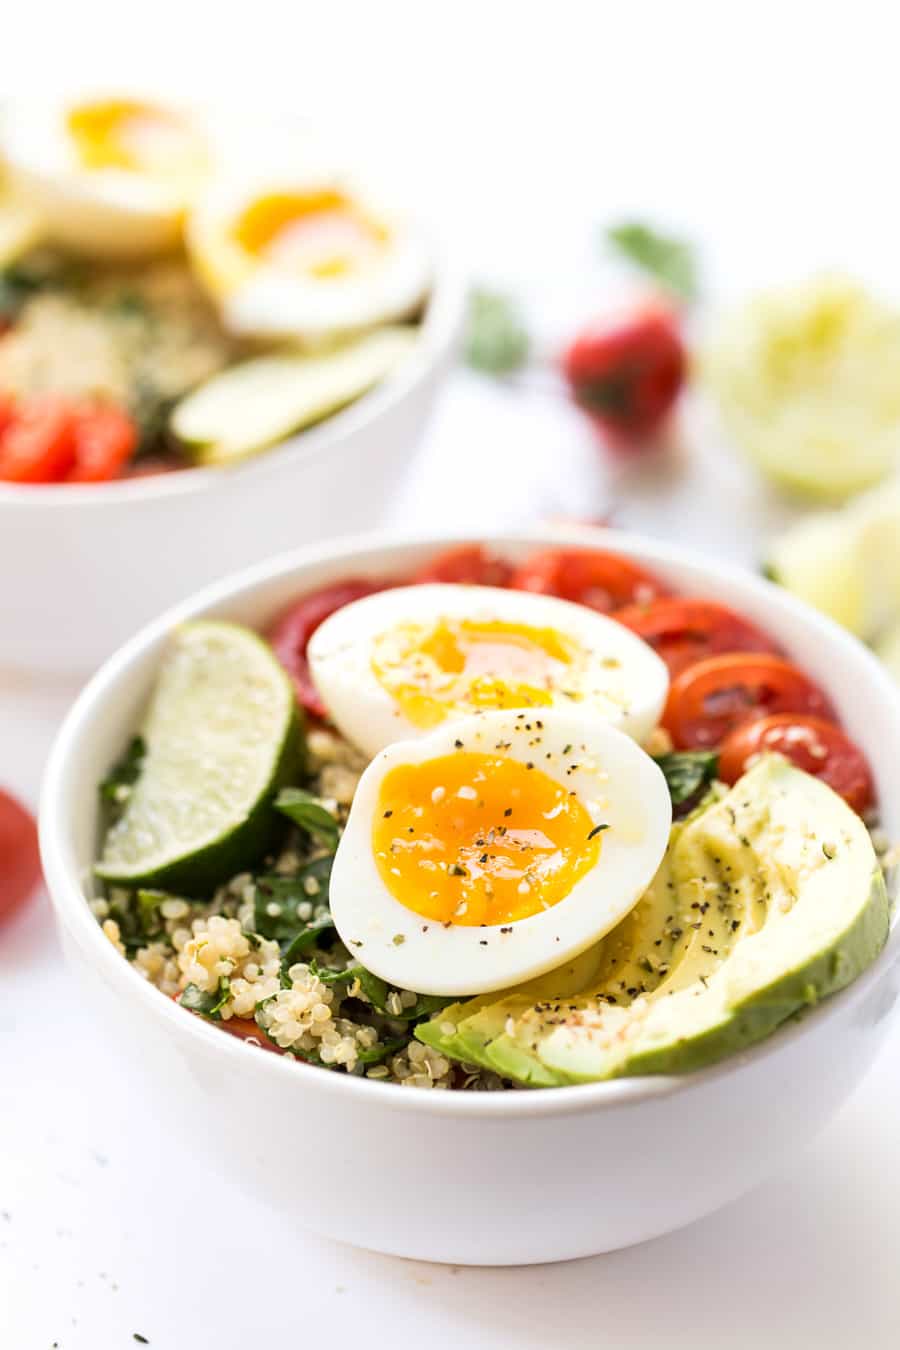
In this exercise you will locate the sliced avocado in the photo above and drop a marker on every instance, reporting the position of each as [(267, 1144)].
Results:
[(463, 1029), (781, 902)]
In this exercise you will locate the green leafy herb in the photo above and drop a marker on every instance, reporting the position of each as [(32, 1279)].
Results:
[(149, 904), (208, 1004), (124, 773), (305, 938), (311, 814), (497, 341), (276, 899), (668, 259), (686, 772), (378, 992)]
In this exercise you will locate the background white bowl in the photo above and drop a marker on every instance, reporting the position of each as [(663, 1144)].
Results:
[(83, 566), (487, 1178)]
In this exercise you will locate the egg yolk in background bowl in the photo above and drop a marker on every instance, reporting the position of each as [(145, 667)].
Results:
[(137, 138), (323, 233), (458, 665), (473, 838)]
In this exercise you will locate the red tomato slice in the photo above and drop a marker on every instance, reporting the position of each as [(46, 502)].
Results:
[(20, 863), (291, 634), (467, 564), (105, 440), (814, 745), (38, 446), (683, 631), (246, 1030), (709, 699), (602, 581)]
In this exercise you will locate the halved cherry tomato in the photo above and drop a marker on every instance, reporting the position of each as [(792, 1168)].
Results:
[(7, 411), (291, 634), (20, 863), (467, 564), (105, 440), (814, 745), (683, 631), (38, 445), (602, 581), (709, 699), (246, 1030)]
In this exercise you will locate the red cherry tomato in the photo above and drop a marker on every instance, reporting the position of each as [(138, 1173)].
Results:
[(683, 631), (814, 745), (291, 634), (38, 445), (20, 863), (602, 581), (709, 699), (105, 440), (468, 564), (626, 372), (246, 1030)]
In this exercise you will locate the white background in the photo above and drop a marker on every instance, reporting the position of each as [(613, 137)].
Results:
[(767, 133)]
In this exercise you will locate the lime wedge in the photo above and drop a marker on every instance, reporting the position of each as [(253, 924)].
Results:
[(252, 405), (221, 736)]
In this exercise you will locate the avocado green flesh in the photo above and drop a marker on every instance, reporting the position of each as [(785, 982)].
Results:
[(774, 899)]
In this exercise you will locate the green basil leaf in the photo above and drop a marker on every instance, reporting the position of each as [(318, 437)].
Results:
[(668, 259), (311, 814)]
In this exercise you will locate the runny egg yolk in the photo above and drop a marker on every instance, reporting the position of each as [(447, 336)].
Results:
[(454, 665), (322, 233), (472, 838), (136, 137)]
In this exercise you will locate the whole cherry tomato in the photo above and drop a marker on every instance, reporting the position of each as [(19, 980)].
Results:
[(602, 581), (814, 745), (626, 372), (20, 863), (712, 697), (291, 634), (683, 631)]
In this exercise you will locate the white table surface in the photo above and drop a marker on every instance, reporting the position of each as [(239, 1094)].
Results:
[(532, 128)]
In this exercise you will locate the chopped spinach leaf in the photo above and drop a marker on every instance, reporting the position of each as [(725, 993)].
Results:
[(687, 771), (305, 938), (276, 899), (148, 912), (209, 1004), (124, 773), (668, 259), (378, 993), (380, 1050), (311, 814), (497, 341)]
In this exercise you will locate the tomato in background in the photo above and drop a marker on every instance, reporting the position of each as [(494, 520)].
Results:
[(684, 630), (712, 697), (818, 747), (105, 439), (626, 372), (601, 581), (38, 444), (20, 863)]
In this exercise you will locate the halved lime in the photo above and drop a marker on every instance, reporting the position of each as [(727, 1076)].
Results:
[(221, 736)]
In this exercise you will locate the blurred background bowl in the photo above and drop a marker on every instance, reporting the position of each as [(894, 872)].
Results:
[(86, 565)]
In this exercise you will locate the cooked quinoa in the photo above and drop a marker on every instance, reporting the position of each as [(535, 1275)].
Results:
[(210, 956)]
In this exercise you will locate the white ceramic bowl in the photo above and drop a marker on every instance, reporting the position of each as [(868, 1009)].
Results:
[(472, 1178), (82, 566)]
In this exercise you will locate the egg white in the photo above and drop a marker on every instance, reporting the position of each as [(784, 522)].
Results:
[(270, 298), (618, 784), (100, 212), (630, 695)]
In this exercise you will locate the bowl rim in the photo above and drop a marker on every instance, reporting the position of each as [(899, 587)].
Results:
[(439, 332), (74, 915)]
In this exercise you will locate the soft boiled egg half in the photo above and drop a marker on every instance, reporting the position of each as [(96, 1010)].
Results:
[(495, 849), (304, 254), (408, 660), (110, 177)]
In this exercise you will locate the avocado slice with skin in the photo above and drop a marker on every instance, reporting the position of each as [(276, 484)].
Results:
[(782, 902)]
